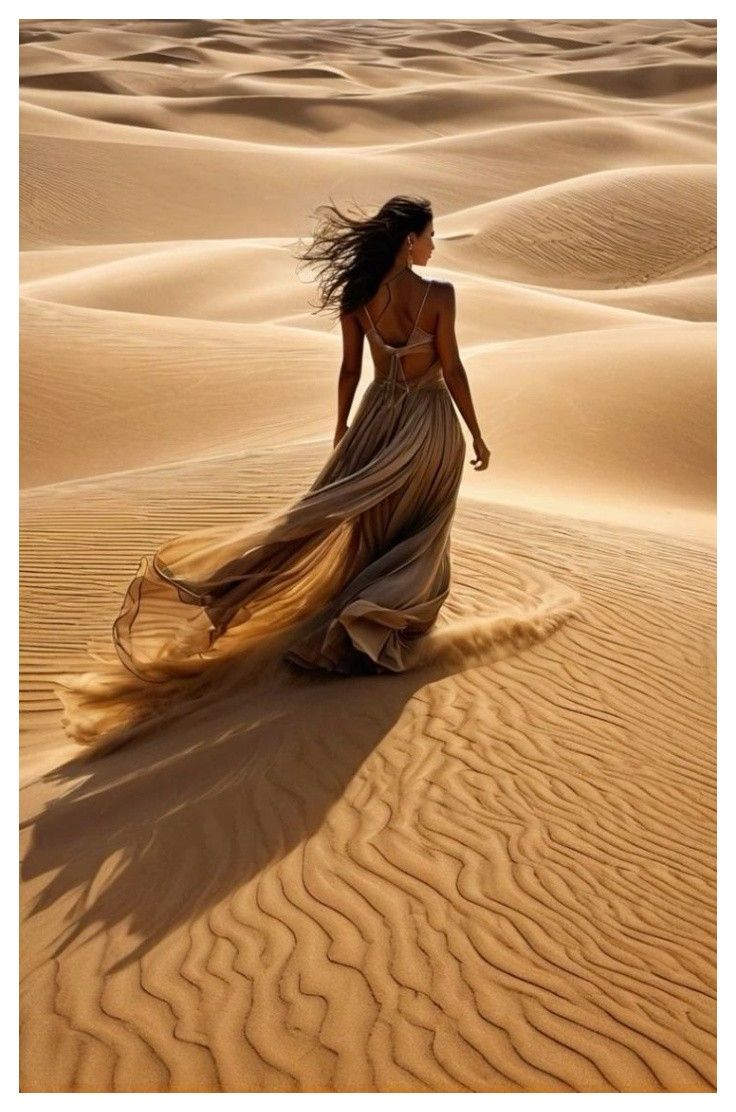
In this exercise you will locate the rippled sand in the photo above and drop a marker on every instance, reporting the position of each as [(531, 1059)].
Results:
[(495, 873)]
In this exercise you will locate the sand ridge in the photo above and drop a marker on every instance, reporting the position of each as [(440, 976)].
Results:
[(495, 872)]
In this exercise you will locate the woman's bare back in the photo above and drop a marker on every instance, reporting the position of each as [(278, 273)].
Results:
[(401, 319)]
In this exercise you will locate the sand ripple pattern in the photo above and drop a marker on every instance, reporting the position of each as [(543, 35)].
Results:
[(495, 877), (494, 872)]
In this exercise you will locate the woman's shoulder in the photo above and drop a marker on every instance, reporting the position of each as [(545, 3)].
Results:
[(442, 291), (441, 285)]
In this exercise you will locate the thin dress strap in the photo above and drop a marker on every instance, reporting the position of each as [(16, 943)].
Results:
[(416, 322)]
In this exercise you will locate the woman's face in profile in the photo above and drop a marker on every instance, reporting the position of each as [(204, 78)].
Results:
[(424, 245)]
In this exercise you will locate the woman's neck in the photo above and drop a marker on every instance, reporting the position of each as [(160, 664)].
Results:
[(392, 274)]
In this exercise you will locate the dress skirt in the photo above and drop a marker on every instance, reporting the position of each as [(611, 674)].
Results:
[(343, 579)]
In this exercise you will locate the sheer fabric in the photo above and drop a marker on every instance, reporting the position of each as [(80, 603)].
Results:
[(342, 579)]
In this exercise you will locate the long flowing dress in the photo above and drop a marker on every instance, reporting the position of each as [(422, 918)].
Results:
[(343, 579)]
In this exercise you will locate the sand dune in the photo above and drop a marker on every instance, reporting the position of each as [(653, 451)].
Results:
[(604, 229), (230, 280), (670, 79), (683, 298), (106, 175), (488, 878), (118, 373), (213, 383), (495, 872)]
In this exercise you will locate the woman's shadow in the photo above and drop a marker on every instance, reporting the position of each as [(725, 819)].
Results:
[(188, 812)]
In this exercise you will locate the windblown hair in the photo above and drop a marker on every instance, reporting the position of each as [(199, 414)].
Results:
[(352, 253)]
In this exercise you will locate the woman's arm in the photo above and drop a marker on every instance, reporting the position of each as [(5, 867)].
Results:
[(350, 368), (454, 371)]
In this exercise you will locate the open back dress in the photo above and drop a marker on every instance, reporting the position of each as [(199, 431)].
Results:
[(345, 577)]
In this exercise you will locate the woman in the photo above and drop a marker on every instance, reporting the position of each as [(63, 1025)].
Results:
[(347, 577)]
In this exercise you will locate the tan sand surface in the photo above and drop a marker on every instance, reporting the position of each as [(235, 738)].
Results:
[(496, 872)]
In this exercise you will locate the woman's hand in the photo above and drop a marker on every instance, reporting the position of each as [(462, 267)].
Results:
[(339, 433), (482, 454)]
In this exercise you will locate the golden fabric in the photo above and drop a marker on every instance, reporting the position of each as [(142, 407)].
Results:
[(344, 578)]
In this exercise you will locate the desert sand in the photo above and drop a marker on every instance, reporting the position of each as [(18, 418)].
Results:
[(495, 873)]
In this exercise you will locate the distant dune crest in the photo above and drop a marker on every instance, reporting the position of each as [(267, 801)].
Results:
[(496, 871)]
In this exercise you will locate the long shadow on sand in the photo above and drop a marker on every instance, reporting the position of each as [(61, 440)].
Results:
[(198, 807)]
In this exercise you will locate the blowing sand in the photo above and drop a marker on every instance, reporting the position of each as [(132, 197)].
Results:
[(495, 872)]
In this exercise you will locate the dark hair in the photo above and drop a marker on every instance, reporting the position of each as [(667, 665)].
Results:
[(354, 252)]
